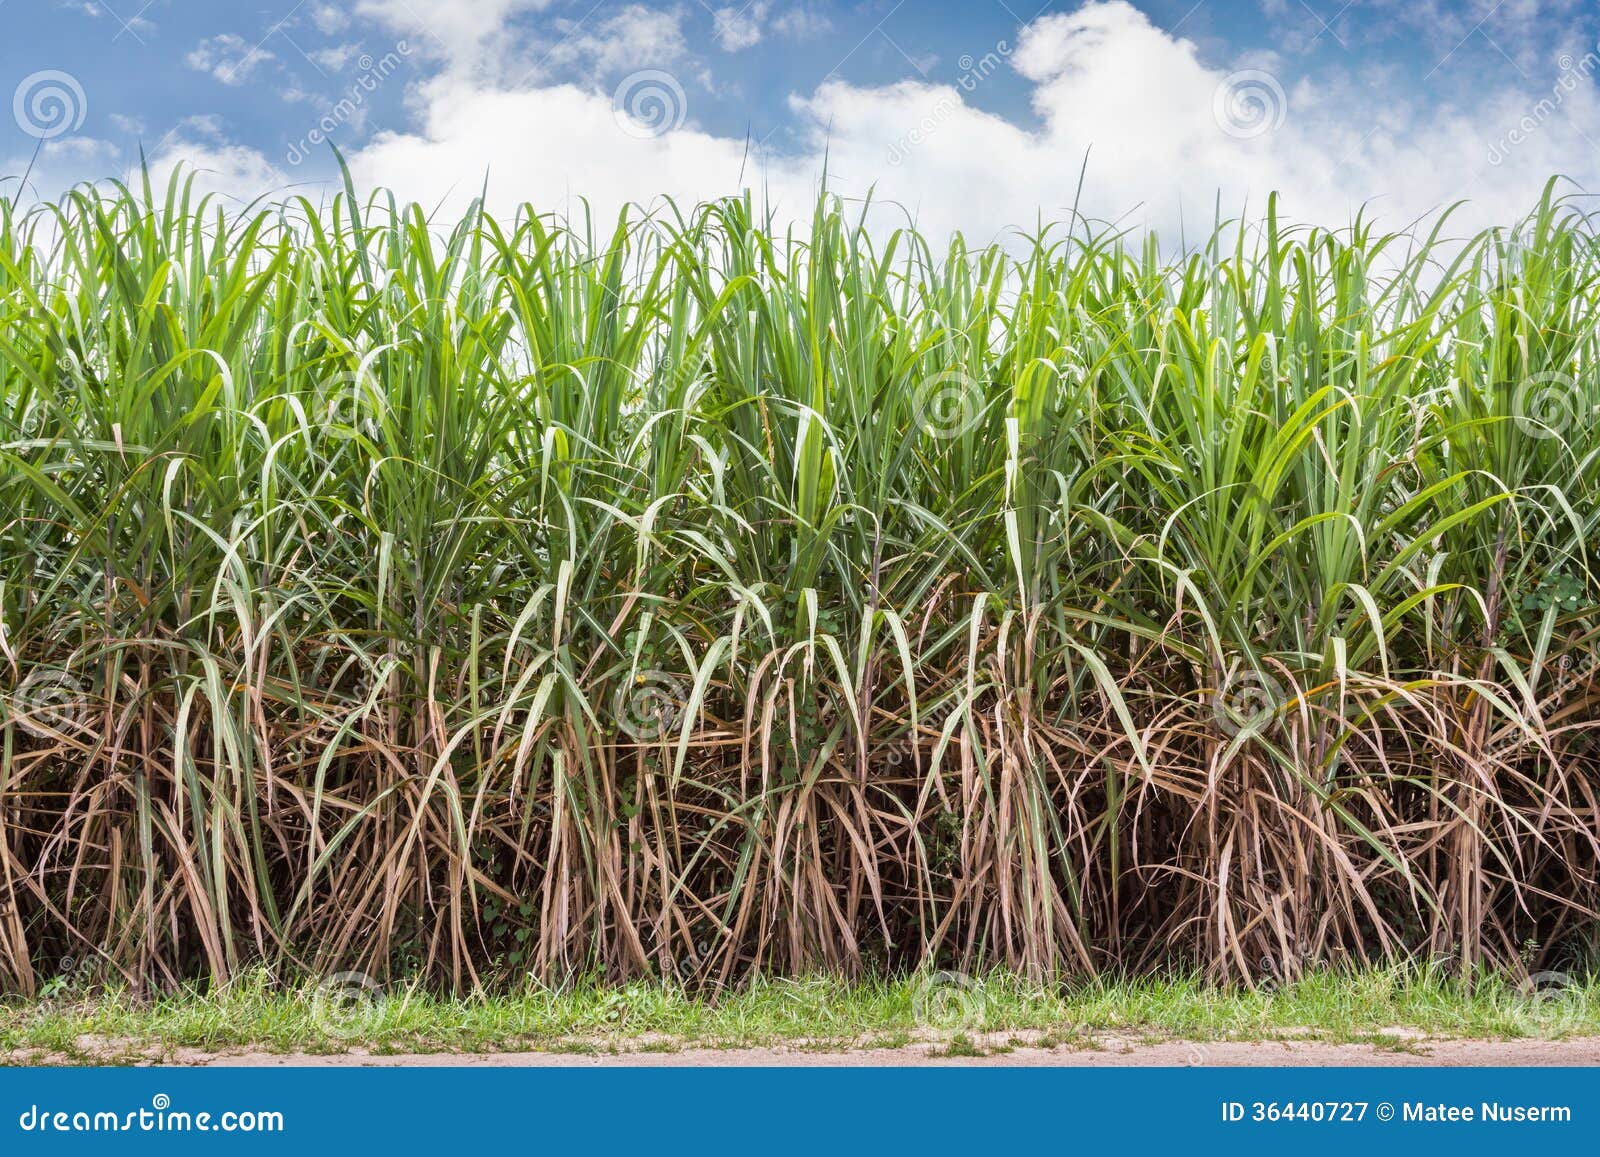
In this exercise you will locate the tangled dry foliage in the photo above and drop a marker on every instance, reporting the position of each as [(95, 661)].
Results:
[(692, 600)]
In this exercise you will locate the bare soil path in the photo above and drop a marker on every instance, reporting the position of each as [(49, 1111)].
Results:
[(1110, 1051)]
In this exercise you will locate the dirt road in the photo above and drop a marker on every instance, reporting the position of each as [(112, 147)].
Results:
[(1110, 1052)]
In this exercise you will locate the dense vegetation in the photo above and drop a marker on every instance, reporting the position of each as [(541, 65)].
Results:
[(1395, 1007), (501, 597)]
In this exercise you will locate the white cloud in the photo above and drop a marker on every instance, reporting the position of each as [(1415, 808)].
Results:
[(218, 166), (1163, 146), (199, 144), (59, 164), (334, 57), (570, 144), (1142, 105), (228, 58), (329, 19), (740, 26), (633, 37), (799, 22), (469, 36), (134, 23), (208, 125)]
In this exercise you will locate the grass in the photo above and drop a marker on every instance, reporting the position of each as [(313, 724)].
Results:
[(686, 601), (995, 1013)]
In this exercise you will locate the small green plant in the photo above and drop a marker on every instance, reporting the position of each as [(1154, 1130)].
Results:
[(1413, 1006), (961, 1045)]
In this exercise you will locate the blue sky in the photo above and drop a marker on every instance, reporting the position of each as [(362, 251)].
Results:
[(971, 115)]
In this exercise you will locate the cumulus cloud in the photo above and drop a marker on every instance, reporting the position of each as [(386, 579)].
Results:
[(134, 24), (799, 22), (228, 58), (1170, 134), (58, 165), (1167, 136), (334, 57), (740, 26), (228, 170), (571, 144), (329, 19), (632, 37), (469, 36)]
